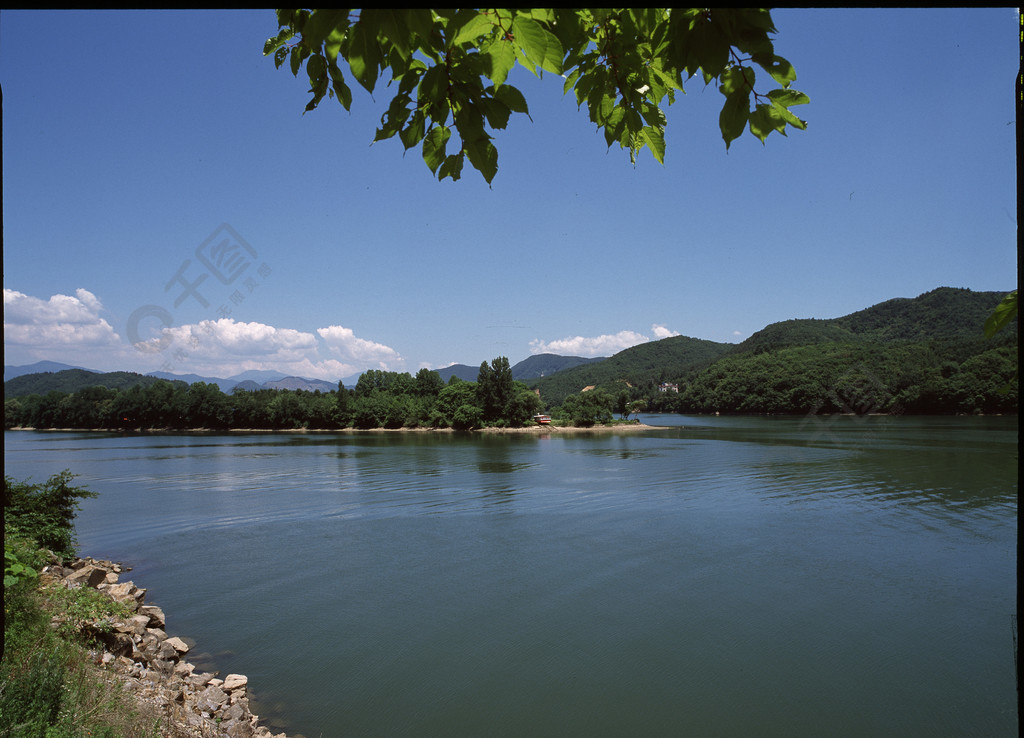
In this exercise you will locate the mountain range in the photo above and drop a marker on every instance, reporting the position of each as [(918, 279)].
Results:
[(949, 320), (45, 376)]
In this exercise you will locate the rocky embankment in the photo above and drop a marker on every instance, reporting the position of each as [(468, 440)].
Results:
[(153, 666)]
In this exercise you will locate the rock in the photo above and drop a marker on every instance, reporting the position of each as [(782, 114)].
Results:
[(201, 680), (177, 644), (167, 652), (235, 681), (163, 666), (137, 624), (156, 615), (237, 729), (115, 643), (86, 576), (140, 655), (212, 698)]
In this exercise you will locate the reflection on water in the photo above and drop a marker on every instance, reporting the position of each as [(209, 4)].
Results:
[(715, 575)]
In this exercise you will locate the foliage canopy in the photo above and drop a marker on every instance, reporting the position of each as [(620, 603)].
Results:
[(449, 70)]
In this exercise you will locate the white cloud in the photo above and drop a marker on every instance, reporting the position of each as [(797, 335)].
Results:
[(62, 322), (360, 351), (605, 345), (70, 329), (661, 331), (737, 333)]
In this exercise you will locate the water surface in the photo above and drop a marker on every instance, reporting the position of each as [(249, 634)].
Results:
[(722, 576)]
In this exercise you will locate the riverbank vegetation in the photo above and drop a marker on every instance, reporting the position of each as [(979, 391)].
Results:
[(380, 399), (49, 685)]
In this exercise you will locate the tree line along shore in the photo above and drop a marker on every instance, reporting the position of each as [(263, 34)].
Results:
[(913, 378)]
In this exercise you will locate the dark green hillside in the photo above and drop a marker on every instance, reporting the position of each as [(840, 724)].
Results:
[(640, 366), (72, 380), (928, 354), (804, 332), (943, 313), (863, 377), (922, 355)]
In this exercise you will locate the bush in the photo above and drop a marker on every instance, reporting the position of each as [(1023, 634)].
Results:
[(44, 512)]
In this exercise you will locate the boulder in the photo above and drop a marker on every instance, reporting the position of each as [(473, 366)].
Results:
[(167, 652), (177, 644), (212, 699), (89, 576), (156, 615), (235, 681), (117, 644), (136, 624)]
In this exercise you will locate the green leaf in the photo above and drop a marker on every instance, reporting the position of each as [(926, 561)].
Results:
[(570, 81), (394, 119), (341, 90), (734, 116), (433, 85), (467, 26), (614, 125), (316, 68), (787, 97), (452, 167), (275, 43), (434, 145), (513, 98), (654, 138), (736, 79), (496, 112), (780, 70), (538, 44), (782, 99), (393, 29), (413, 133), (1002, 316), (483, 156), (279, 56), (320, 25), (421, 23), (363, 56), (298, 53), (498, 60), (766, 119)]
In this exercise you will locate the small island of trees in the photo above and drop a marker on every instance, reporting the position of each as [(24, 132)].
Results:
[(380, 399)]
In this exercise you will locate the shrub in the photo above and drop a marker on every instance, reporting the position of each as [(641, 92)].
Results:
[(44, 512)]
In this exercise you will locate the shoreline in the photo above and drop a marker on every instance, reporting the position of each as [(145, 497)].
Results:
[(152, 666), (530, 429)]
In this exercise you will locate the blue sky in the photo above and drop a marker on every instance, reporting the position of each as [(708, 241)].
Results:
[(137, 142)]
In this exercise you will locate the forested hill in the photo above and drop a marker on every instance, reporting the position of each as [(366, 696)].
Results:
[(639, 366), (943, 314), (924, 354), (72, 380)]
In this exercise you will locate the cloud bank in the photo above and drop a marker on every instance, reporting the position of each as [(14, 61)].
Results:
[(70, 329), (62, 323), (588, 346)]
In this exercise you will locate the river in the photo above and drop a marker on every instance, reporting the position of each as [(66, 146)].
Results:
[(714, 576)]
